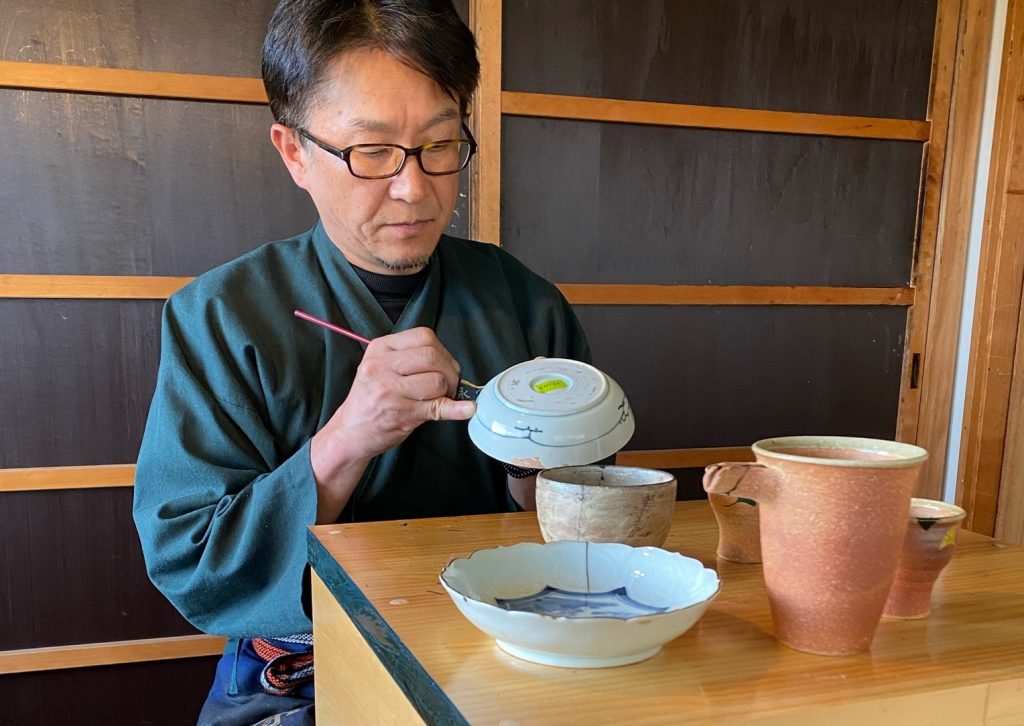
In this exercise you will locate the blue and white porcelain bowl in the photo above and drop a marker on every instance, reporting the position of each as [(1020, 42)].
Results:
[(580, 604), (551, 412)]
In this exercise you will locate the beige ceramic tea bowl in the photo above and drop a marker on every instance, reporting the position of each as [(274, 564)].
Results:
[(598, 503)]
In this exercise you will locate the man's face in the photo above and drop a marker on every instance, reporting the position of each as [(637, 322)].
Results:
[(392, 225)]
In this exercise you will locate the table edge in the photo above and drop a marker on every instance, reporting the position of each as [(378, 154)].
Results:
[(424, 693)]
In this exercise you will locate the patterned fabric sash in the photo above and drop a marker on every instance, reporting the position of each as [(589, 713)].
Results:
[(289, 663)]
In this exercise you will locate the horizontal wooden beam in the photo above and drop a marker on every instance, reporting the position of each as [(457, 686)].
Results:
[(89, 655), (92, 287), (123, 475), (67, 477), (734, 295), (236, 89), (683, 458), (711, 117), (158, 288), (124, 82)]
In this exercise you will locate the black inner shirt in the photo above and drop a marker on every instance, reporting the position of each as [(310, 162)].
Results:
[(393, 292)]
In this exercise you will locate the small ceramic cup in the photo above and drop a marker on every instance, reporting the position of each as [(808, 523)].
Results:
[(927, 549), (596, 503), (739, 528)]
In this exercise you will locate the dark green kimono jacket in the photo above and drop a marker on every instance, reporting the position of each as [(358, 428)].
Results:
[(224, 488)]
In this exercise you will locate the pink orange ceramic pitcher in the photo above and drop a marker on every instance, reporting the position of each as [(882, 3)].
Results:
[(833, 513)]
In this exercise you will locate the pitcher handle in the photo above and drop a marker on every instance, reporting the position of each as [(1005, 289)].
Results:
[(747, 479)]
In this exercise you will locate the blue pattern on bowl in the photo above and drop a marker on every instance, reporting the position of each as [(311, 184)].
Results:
[(557, 602)]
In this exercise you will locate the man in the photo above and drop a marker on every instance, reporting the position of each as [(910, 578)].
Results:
[(262, 424)]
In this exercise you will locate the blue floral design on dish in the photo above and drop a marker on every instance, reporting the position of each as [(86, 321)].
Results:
[(558, 603)]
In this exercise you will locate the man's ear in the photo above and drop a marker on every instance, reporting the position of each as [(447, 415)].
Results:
[(293, 153)]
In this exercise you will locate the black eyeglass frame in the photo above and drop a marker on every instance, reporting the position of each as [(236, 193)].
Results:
[(345, 154)]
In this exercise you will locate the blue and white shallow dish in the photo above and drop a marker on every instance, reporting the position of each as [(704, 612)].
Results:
[(580, 604), (551, 412)]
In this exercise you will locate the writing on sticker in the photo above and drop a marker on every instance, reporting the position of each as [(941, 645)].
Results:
[(547, 385)]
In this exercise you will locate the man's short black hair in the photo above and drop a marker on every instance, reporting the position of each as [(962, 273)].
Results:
[(304, 36)]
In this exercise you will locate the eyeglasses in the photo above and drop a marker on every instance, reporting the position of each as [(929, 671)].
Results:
[(380, 161)]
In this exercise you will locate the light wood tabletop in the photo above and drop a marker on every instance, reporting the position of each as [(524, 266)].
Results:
[(391, 647)]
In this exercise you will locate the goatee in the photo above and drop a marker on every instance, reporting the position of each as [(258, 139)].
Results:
[(411, 264)]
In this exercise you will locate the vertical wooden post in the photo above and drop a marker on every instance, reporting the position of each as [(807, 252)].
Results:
[(485, 180), (1009, 525), (954, 227), (947, 25), (997, 310)]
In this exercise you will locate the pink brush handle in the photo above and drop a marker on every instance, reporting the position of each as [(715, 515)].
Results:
[(332, 327), (466, 391)]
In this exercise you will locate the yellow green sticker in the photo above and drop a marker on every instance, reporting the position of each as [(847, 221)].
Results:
[(949, 539), (547, 385)]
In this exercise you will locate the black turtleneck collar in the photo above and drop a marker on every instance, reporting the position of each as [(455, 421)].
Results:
[(393, 292)]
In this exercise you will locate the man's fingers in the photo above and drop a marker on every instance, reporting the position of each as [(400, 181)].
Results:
[(415, 338), (424, 386), (445, 409), (416, 361)]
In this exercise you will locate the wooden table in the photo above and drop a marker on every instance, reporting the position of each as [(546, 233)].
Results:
[(392, 648)]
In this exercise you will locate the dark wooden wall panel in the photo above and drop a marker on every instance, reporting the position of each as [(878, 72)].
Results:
[(645, 204), (186, 36), (78, 376), (688, 484), (856, 57), (145, 694), (728, 376), (130, 186), (73, 572)]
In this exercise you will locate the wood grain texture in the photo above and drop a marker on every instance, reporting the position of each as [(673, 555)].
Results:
[(87, 655), (947, 34), (123, 475), (962, 663), (180, 187), (710, 376), (125, 82), (85, 372), (600, 203), (186, 36), (710, 117), (336, 633), (485, 197), (953, 231), (161, 693), (857, 57), (582, 294), (94, 287), (67, 477), (998, 302), (1009, 520), (153, 287), (682, 458), (74, 572)]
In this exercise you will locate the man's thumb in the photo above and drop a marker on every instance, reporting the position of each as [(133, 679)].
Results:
[(445, 409)]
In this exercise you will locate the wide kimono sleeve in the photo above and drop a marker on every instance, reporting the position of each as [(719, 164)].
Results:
[(221, 503)]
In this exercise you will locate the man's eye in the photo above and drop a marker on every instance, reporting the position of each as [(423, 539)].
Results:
[(375, 152), (439, 149)]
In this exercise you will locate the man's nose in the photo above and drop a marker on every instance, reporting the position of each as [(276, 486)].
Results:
[(411, 184)]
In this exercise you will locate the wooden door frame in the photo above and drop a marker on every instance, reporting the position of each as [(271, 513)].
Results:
[(935, 336), (988, 479)]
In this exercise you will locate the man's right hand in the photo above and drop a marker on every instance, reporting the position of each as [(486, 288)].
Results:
[(404, 379)]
